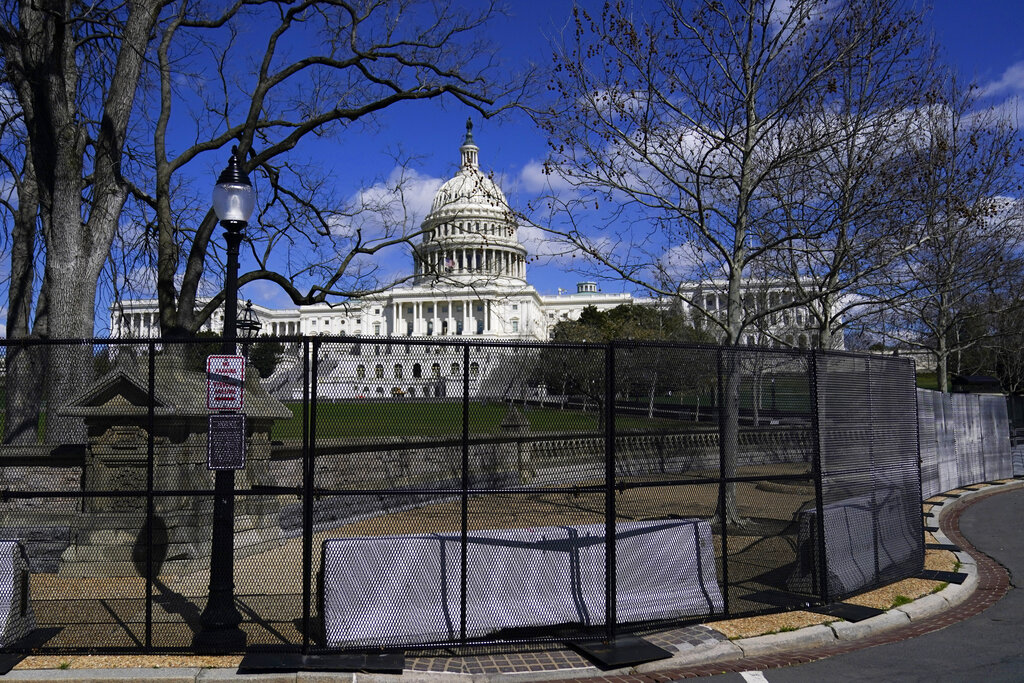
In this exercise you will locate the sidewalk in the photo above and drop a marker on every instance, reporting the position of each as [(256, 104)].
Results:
[(699, 650)]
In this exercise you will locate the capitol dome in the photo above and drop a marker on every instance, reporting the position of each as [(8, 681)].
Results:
[(470, 188), (470, 234)]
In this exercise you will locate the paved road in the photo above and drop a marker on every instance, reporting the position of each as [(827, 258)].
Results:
[(988, 647)]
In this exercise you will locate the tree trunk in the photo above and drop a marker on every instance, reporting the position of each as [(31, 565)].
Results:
[(23, 385), (730, 429)]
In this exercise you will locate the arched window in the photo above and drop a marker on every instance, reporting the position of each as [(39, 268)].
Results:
[(398, 371), (435, 370), (417, 371), (411, 391), (455, 370), (378, 371), (360, 372), (474, 369)]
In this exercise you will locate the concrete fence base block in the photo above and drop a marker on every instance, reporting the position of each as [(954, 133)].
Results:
[(392, 590), (16, 617)]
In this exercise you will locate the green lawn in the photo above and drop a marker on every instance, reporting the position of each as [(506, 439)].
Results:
[(407, 418), (792, 393)]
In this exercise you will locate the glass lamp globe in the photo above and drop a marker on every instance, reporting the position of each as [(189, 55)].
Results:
[(234, 197)]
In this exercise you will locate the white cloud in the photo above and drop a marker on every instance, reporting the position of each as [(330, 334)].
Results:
[(391, 207), (266, 293), (534, 178), (544, 246), (688, 261), (1011, 82)]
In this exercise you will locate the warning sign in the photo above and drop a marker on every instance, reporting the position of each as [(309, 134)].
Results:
[(225, 377)]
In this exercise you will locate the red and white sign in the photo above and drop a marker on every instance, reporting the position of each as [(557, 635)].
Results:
[(225, 377)]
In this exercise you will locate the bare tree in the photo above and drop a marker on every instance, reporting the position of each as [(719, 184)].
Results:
[(999, 351), (850, 196), (671, 129), (964, 188), (107, 91)]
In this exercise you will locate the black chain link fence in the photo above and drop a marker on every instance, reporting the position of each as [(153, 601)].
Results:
[(421, 493)]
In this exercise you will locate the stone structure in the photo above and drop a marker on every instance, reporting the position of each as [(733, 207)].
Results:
[(116, 414)]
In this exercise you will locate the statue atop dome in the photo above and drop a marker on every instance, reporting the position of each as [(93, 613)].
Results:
[(470, 159)]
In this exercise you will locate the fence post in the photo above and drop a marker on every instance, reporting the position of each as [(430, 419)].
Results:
[(150, 511), (309, 369), (819, 497), (610, 593), (464, 541), (722, 525)]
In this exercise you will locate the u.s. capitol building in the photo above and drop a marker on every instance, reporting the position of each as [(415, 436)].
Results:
[(469, 280)]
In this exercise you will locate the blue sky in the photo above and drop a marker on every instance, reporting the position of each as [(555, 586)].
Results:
[(981, 38)]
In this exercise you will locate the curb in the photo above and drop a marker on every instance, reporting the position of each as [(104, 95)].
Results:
[(799, 645)]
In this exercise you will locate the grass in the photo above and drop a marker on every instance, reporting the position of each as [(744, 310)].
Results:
[(901, 600), (791, 393), (928, 380), (361, 419)]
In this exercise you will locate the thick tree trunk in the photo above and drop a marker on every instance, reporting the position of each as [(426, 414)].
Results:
[(23, 381)]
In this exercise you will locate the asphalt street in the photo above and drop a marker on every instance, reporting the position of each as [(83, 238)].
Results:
[(988, 647)]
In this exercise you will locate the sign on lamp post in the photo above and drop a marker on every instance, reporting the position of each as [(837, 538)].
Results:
[(225, 378)]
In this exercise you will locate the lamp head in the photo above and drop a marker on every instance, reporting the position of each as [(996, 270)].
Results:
[(233, 196), (248, 324)]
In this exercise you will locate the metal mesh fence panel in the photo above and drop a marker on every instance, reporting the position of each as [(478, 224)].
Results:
[(970, 457), (928, 441), (964, 440), (434, 492), (79, 512), (870, 473), (945, 436), (998, 457)]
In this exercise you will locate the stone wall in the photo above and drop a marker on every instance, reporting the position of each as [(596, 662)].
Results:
[(399, 465)]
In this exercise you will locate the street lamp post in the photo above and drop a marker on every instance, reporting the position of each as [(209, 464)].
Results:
[(233, 201), (249, 327)]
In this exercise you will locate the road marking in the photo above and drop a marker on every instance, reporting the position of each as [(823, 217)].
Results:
[(753, 677)]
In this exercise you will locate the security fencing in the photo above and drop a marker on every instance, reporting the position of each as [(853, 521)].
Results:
[(435, 492), (965, 439)]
